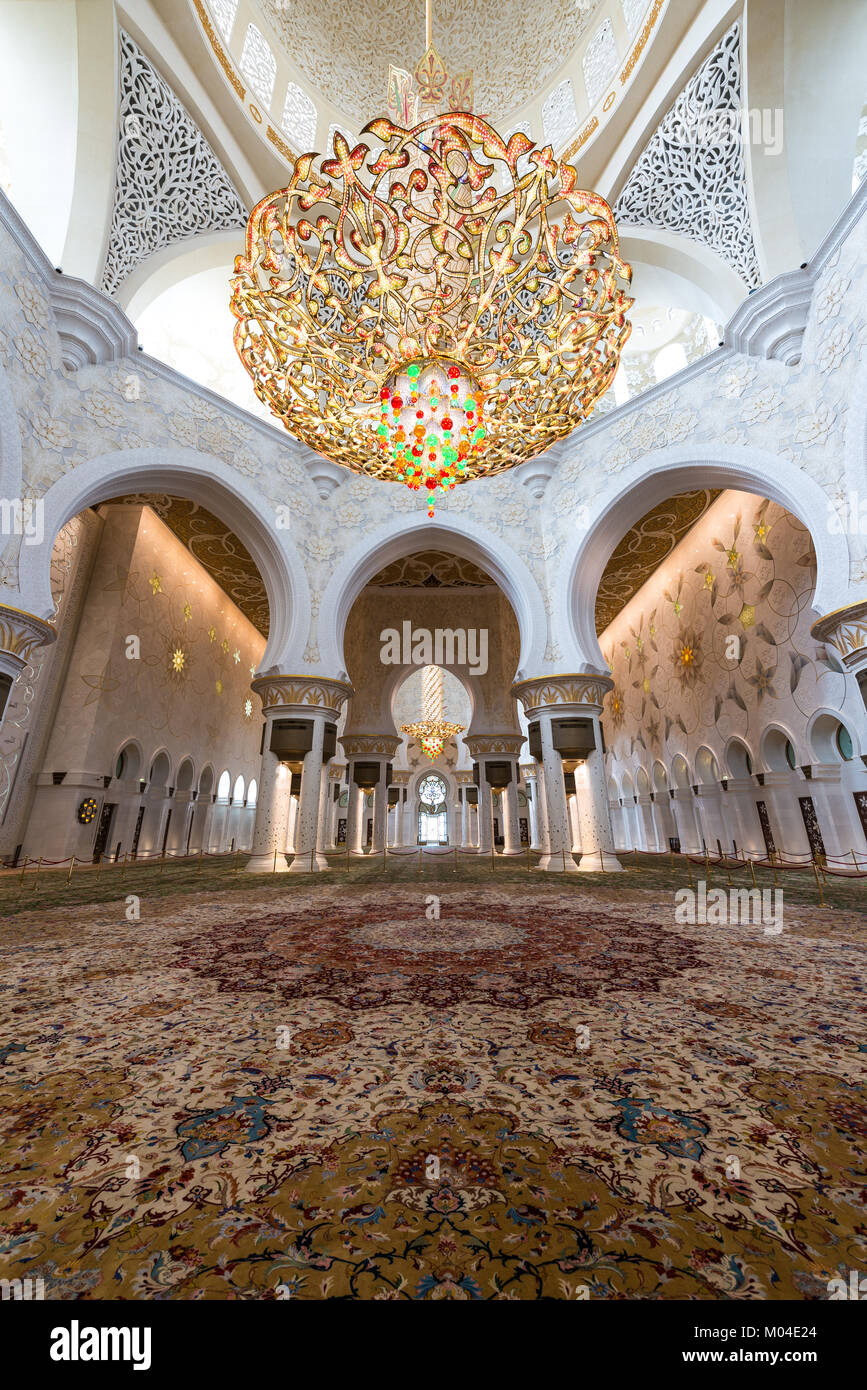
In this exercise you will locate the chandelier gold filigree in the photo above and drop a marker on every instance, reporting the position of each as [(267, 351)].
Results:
[(441, 309), (432, 731)]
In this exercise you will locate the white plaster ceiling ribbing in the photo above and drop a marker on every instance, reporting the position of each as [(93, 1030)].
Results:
[(512, 48), (169, 184), (691, 177)]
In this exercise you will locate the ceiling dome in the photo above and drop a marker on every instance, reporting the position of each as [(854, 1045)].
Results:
[(512, 53)]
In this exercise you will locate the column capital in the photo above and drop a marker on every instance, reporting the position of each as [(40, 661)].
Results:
[(485, 744), (20, 634), (543, 694), (305, 695), (846, 631), (369, 745), (336, 771), (464, 779), (528, 771), (400, 779)]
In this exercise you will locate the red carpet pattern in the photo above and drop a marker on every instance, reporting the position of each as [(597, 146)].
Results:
[(297, 1095)]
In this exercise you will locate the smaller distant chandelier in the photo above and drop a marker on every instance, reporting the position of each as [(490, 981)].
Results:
[(435, 306), (431, 732)]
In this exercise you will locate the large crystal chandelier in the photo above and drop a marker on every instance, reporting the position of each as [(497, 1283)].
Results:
[(437, 309), (431, 731)]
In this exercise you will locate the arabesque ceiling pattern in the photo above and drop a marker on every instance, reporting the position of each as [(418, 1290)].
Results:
[(512, 54), (643, 549), (217, 550)]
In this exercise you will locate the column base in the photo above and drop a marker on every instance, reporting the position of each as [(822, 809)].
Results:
[(302, 864), (265, 864), (557, 863), (591, 863), (512, 851)]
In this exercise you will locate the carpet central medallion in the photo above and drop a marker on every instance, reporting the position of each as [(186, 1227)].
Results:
[(420, 936)]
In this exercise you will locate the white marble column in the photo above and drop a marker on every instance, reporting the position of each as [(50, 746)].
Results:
[(354, 816), (509, 806), (307, 857), (594, 820), (271, 828), (486, 813), (464, 819), (380, 811)]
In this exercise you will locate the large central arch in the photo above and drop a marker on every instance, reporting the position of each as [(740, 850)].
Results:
[(683, 468), (459, 536), (203, 479)]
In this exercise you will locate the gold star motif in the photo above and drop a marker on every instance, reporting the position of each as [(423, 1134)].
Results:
[(212, 634), (225, 644), (253, 670), (178, 659), (219, 687), (761, 531), (678, 607), (709, 580), (236, 656), (188, 612), (156, 583), (646, 686), (748, 615), (733, 557), (248, 708)]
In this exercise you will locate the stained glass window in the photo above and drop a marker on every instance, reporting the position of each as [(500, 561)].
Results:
[(432, 791)]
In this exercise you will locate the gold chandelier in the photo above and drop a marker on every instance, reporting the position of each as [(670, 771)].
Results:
[(431, 732), (439, 310)]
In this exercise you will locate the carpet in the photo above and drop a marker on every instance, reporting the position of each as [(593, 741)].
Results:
[(321, 1095)]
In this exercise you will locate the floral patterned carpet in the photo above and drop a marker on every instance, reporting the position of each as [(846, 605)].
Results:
[(537, 1095)]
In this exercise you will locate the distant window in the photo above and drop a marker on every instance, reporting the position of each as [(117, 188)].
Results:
[(238, 789), (299, 118), (224, 12), (258, 64), (120, 764), (252, 793), (790, 755), (844, 743), (223, 786), (600, 61)]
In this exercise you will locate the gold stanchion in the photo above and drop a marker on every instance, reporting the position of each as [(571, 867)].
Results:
[(773, 860), (818, 883), (419, 861), (383, 858), (71, 867), (456, 858), (24, 870), (38, 867), (689, 870), (854, 859), (602, 861), (492, 858), (275, 861), (563, 852), (635, 850), (123, 866), (312, 855), (201, 854), (728, 872), (528, 857), (707, 867), (162, 861), (753, 872), (237, 852)]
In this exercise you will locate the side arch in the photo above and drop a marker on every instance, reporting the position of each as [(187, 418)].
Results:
[(683, 468), (202, 478)]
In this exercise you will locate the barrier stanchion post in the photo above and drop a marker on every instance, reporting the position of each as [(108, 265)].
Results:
[(71, 867), (689, 870), (419, 861), (563, 852), (456, 858), (773, 859), (707, 867), (275, 861), (602, 861), (753, 872), (38, 867), (201, 853), (492, 858), (528, 856), (818, 882), (24, 870), (312, 854), (383, 858), (854, 859), (123, 866), (637, 865)]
